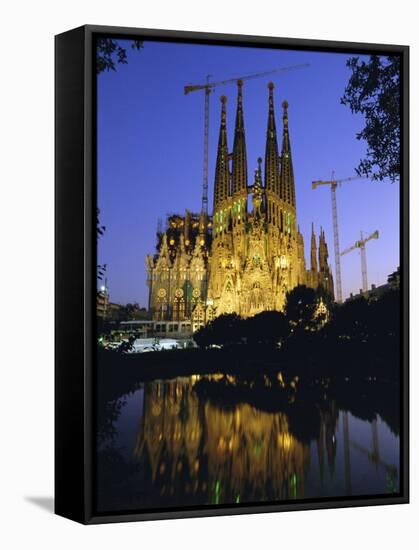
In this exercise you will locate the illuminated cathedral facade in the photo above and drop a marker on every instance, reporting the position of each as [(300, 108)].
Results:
[(249, 253)]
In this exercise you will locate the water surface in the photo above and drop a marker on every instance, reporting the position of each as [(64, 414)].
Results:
[(171, 443)]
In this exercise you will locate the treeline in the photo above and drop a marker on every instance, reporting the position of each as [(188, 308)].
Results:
[(115, 314), (308, 311), (314, 335), (301, 313)]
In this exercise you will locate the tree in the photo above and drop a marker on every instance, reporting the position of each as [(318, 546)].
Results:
[(100, 230), (131, 312), (267, 327), (385, 314), (109, 53), (374, 91), (351, 320), (300, 307), (394, 278), (225, 329), (203, 337)]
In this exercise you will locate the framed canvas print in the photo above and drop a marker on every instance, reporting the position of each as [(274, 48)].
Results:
[(231, 274)]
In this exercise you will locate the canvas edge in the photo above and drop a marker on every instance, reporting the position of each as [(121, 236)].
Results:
[(69, 483), (86, 515)]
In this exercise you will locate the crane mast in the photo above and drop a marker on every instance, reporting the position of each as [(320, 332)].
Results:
[(333, 186), (204, 207), (364, 267), (208, 88), (336, 243)]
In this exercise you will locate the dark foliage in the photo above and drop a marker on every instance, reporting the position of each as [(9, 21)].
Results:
[(394, 278), (268, 327), (361, 339), (110, 53), (350, 320), (223, 330), (300, 308), (130, 312), (374, 91), (100, 230)]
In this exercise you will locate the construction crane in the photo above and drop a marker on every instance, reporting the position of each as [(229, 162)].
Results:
[(207, 87), (361, 245), (333, 186)]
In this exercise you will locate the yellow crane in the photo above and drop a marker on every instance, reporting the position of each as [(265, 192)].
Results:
[(333, 186), (207, 87), (361, 245)]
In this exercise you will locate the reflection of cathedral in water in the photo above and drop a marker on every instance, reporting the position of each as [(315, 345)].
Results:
[(198, 452)]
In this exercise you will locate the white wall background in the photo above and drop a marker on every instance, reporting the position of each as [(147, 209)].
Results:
[(26, 285)]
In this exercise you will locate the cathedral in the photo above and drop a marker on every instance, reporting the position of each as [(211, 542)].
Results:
[(249, 253)]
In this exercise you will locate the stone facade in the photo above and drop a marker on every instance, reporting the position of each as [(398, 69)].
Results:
[(239, 260)]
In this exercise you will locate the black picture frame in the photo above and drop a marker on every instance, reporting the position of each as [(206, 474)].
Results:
[(75, 270)]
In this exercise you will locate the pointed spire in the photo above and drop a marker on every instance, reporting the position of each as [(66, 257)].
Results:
[(313, 258), (257, 198), (299, 235), (325, 246), (164, 253), (321, 249), (239, 166), (271, 152), (287, 186), (222, 174), (323, 252)]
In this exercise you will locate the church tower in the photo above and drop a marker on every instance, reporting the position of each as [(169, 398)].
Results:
[(222, 288), (325, 273), (222, 175), (239, 163), (287, 186), (313, 255), (273, 206), (286, 182), (323, 253)]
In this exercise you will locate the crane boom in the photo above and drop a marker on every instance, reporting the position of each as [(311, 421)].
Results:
[(208, 88), (196, 87), (347, 250), (361, 245), (332, 182), (374, 235)]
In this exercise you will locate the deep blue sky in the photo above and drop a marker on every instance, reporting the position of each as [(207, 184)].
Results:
[(150, 141)]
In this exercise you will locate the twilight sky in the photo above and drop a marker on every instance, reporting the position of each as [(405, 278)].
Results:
[(150, 141)]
